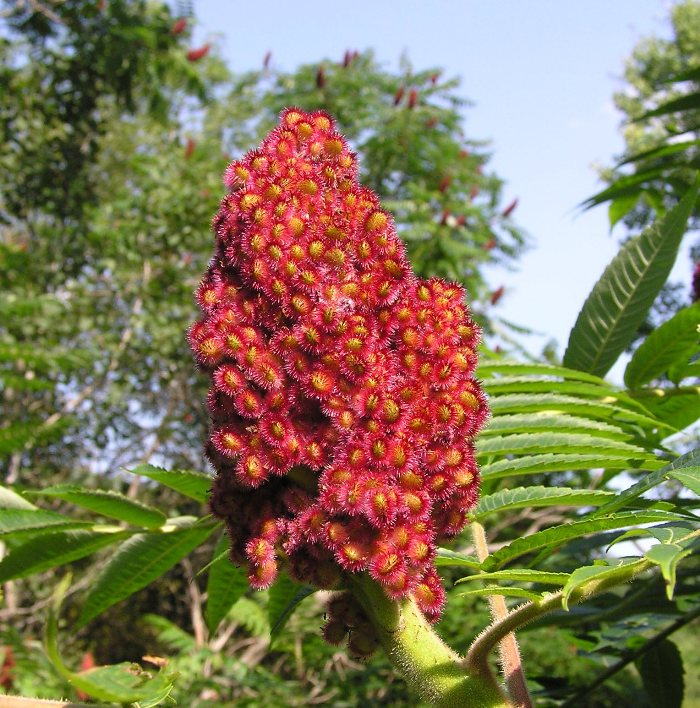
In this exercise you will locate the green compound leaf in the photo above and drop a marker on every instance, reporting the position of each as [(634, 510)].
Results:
[(226, 584), (689, 477), (487, 367), (108, 503), (558, 535), (661, 669), (528, 497), (9, 499), (27, 522), (56, 548), (139, 561), (667, 556), (603, 409), (552, 462), (542, 443), (674, 342), (551, 420), (446, 557), (598, 573), (621, 298), (195, 485), (688, 464), (520, 576)]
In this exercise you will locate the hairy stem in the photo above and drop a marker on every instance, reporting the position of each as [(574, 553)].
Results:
[(509, 652), (477, 656), (429, 666)]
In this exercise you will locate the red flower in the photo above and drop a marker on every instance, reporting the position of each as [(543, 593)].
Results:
[(179, 26), (197, 54), (343, 400)]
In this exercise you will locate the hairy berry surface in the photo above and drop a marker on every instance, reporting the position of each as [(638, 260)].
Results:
[(343, 401)]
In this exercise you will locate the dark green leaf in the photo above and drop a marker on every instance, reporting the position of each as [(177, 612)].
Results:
[(674, 341), (56, 548), (108, 503), (504, 591), (537, 496), (25, 521), (139, 561), (690, 460), (667, 556), (537, 464), (446, 557), (551, 420), (195, 485), (661, 669), (559, 535), (621, 298), (520, 576), (545, 442), (226, 583), (689, 102)]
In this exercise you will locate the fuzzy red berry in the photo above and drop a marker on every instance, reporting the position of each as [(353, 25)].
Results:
[(343, 398)]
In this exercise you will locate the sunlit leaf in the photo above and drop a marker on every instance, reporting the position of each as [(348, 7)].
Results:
[(621, 298)]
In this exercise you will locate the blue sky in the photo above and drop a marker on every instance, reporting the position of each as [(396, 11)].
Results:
[(541, 74)]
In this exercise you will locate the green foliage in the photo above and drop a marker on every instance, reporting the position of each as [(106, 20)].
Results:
[(95, 375), (622, 297)]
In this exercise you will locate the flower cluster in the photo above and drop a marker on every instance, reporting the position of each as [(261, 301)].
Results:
[(343, 401)]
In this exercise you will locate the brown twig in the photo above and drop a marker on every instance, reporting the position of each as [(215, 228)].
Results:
[(511, 663)]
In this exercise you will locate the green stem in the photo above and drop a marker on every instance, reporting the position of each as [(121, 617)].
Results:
[(429, 666), (477, 656)]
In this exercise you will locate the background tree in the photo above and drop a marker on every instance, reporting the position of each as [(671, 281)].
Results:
[(660, 104)]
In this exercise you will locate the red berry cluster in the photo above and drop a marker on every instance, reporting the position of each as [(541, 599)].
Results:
[(343, 401)]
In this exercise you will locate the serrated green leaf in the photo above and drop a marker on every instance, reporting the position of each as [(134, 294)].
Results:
[(550, 420), (600, 410), (57, 548), (674, 341), (124, 683), (559, 535), (538, 464), (520, 576), (283, 598), (542, 443), (667, 557), (108, 503), (488, 367), (138, 562), (195, 485), (661, 669), (582, 576), (523, 384), (226, 584), (26, 521), (689, 461), (446, 557), (688, 477), (678, 411), (505, 591), (688, 102), (620, 207), (681, 370), (120, 683), (9, 499), (537, 496), (621, 298)]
